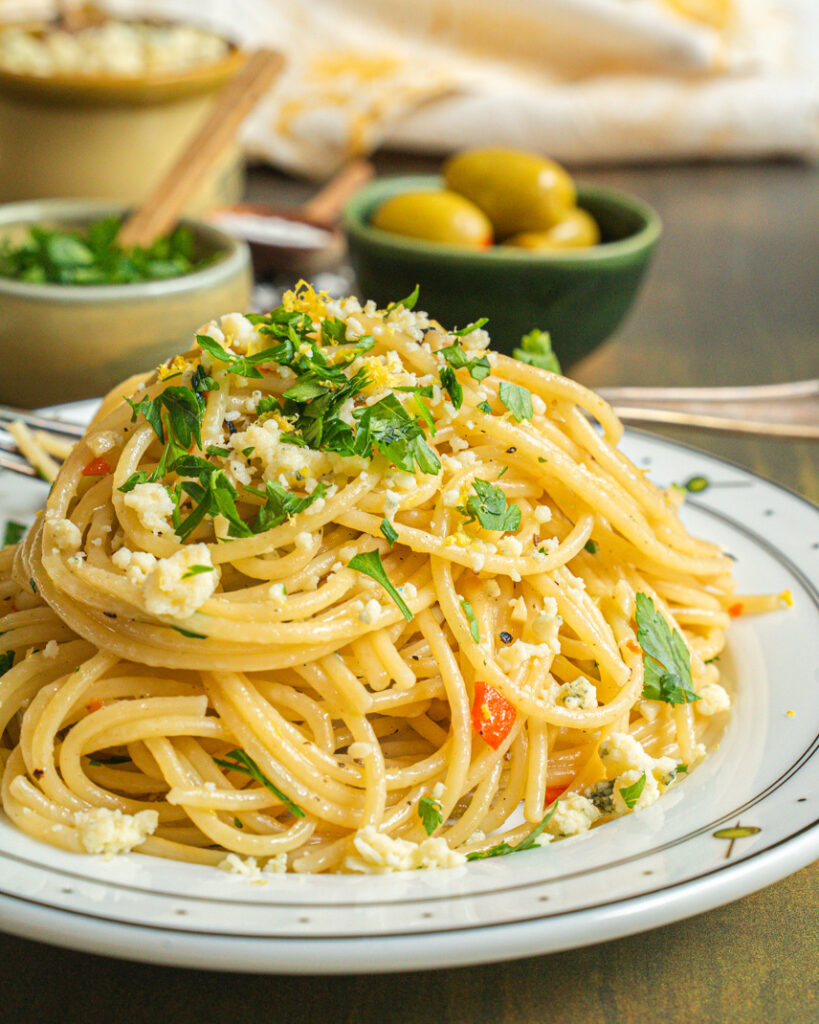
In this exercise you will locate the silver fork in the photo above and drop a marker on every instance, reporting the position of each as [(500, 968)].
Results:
[(782, 411)]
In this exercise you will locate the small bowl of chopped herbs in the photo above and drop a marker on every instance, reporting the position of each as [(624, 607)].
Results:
[(79, 312)]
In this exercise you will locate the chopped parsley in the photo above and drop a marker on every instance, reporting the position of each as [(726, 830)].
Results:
[(188, 633), (485, 407), (527, 843), (182, 415), (409, 302), (242, 366), (666, 659), (389, 531), (455, 356), (93, 257), (14, 533), (197, 570), (429, 811), (449, 383), (591, 547), (488, 505), (463, 331), (631, 794), (469, 612), (281, 504), (6, 661), (239, 761), (370, 565), (536, 350), (517, 400), (388, 427)]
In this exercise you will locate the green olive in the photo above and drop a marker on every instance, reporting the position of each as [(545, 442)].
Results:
[(435, 216), (575, 230), (517, 191)]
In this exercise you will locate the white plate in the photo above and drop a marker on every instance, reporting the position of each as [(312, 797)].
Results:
[(641, 871)]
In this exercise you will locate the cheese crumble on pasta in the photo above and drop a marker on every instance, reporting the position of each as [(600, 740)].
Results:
[(341, 590)]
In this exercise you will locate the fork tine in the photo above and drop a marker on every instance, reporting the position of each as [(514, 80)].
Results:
[(17, 466), (8, 414)]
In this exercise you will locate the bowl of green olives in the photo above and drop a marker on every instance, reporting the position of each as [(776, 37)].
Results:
[(508, 236)]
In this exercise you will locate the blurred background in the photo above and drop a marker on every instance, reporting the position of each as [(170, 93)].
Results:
[(674, 111)]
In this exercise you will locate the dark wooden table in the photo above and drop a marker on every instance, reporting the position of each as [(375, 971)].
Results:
[(733, 297)]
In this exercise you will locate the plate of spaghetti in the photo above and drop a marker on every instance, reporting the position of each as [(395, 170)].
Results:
[(344, 643)]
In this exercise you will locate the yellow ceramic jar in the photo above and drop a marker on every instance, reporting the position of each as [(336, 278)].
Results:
[(59, 343), (109, 136)]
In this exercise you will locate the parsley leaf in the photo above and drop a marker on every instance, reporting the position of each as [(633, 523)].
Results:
[(184, 415), (472, 620), (488, 506), (242, 762), (471, 327), (485, 407), (666, 659), (282, 504), (517, 400), (456, 357), (370, 565), (527, 843), (591, 547), (189, 633), (536, 350), (389, 531), (6, 661), (14, 533), (408, 302), (429, 811), (631, 794), (197, 570), (242, 366), (388, 426), (449, 383)]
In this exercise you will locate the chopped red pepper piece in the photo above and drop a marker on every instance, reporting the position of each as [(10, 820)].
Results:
[(736, 610), (97, 467), (492, 714), (634, 646), (93, 705), (553, 792)]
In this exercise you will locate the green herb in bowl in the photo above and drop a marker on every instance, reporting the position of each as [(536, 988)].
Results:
[(91, 256)]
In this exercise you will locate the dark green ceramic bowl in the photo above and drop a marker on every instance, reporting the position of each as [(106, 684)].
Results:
[(579, 296)]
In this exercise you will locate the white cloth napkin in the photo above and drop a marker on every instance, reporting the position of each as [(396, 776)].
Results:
[(581, 80)]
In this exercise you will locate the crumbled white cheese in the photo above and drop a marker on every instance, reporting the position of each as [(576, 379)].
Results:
[(510, 546), (276, 865), (64, 535), (51, 649), (168, 591), (370, 612), (110, 832), (574, 814), (359, 750), (492, 588), (437, 791), (152, 504), (375, 853), (478, 561), (626, 761), (278, 594), (135, 564), (235, 865), (578, 695), (303, 541), (543, 514), (103, 441), (713, 699)]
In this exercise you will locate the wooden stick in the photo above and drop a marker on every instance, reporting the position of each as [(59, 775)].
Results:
[(325, 206), (161, 210)]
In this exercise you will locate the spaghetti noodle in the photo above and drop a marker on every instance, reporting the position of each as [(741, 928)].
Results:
[(340, 591)]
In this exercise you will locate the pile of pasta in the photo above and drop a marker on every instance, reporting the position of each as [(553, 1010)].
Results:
[(339, 590)]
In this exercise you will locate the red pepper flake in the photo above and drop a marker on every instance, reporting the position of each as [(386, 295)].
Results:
[(38, 773), (736, 610), (634, 646), (492, 714), (97, 467), (93, 705), (553, 792)]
